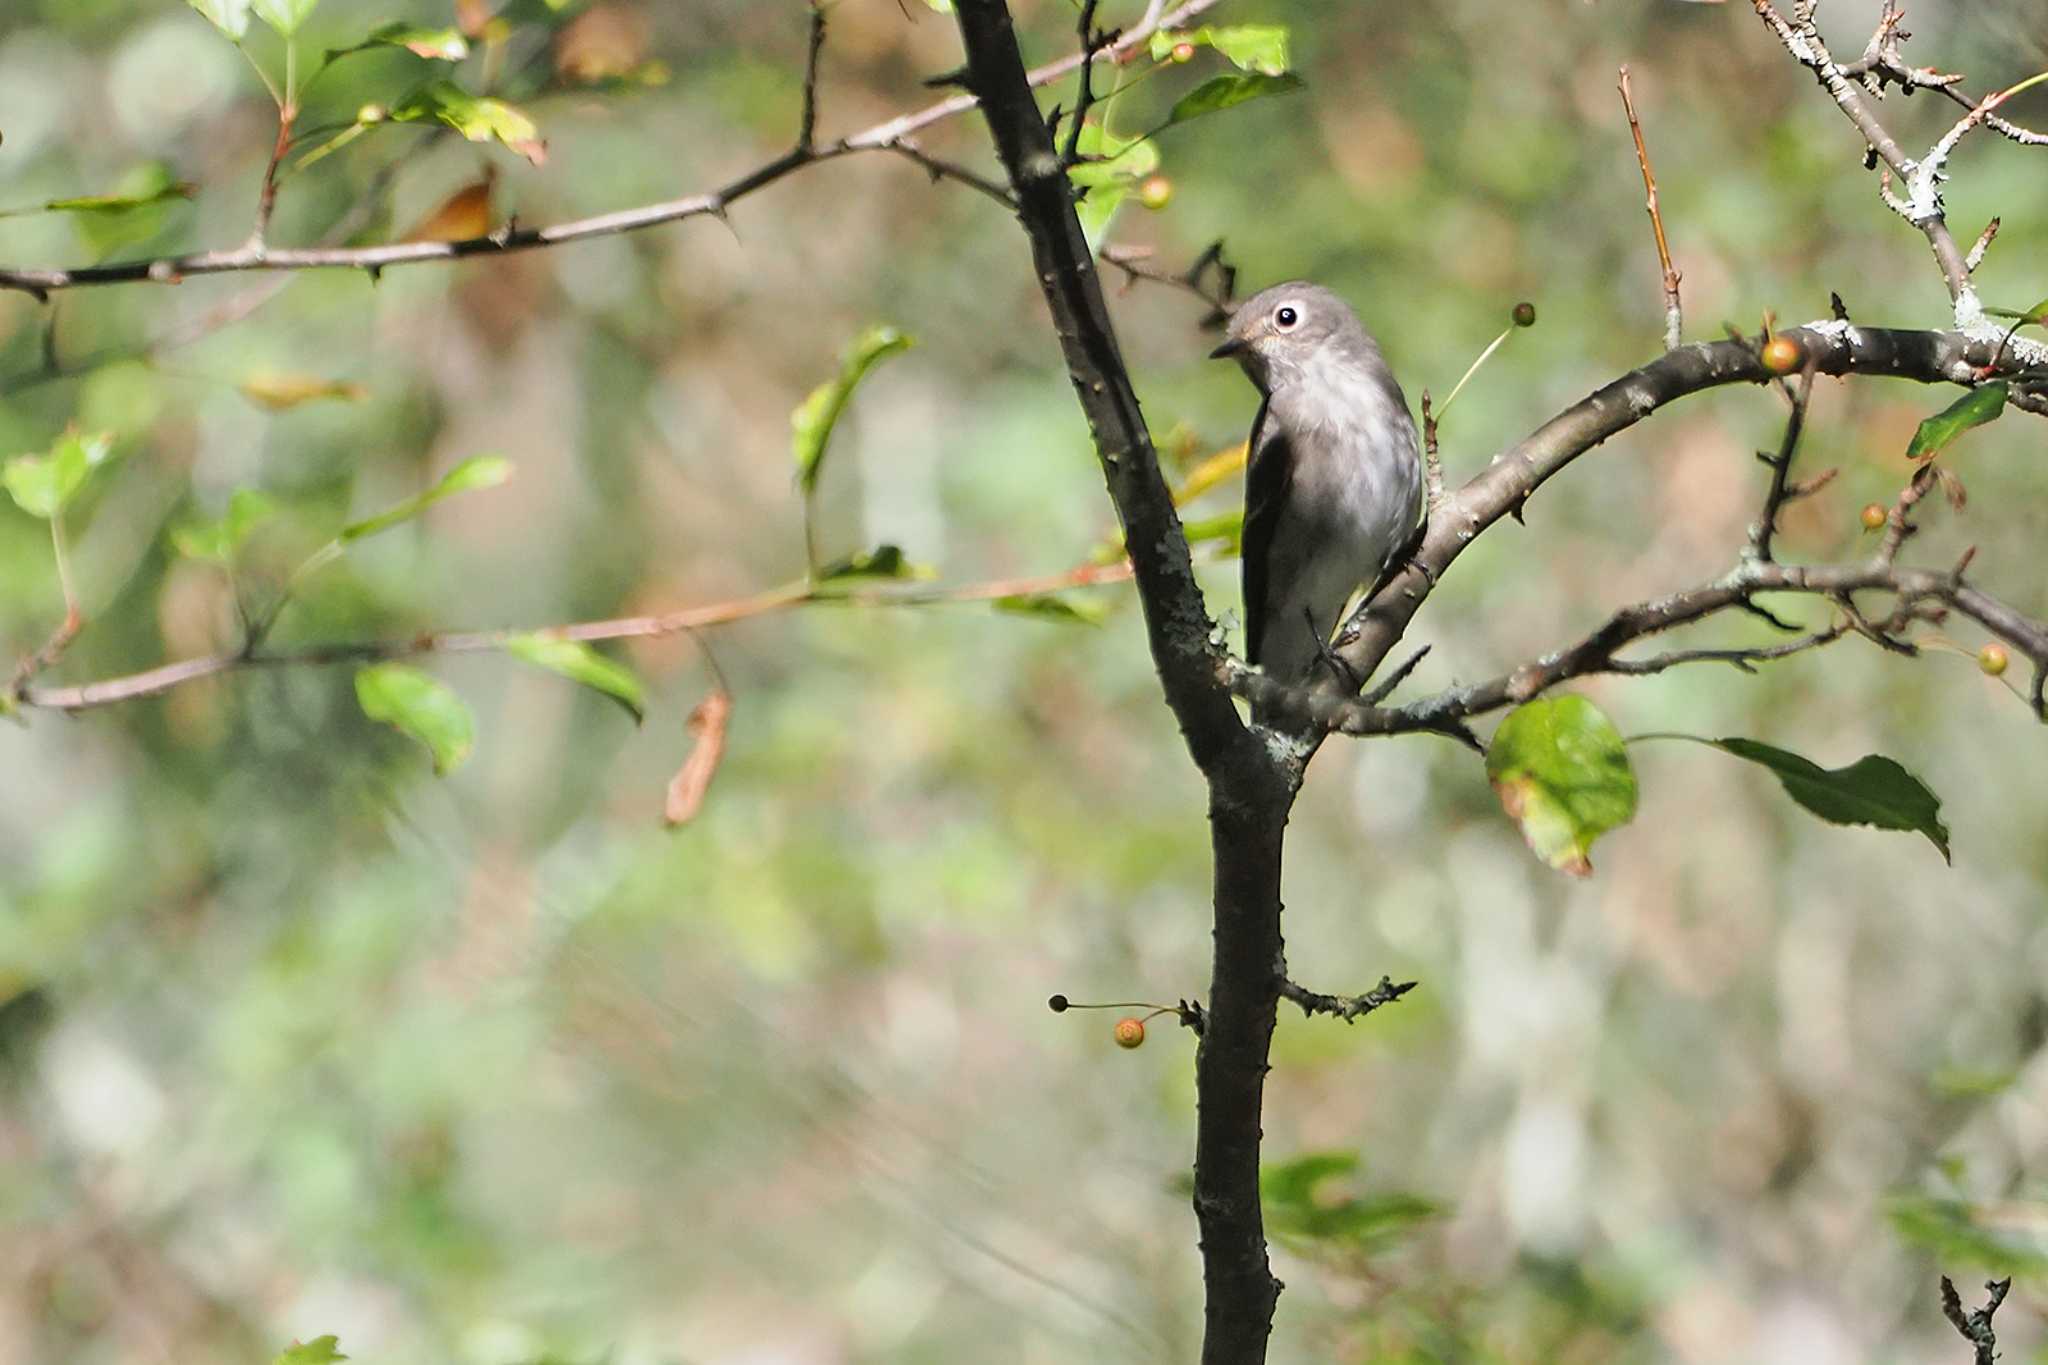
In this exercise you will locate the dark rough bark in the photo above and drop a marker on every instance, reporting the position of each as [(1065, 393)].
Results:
[(1251, 787)]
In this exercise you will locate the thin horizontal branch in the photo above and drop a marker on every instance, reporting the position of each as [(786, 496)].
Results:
[(1597, 652), (1507, 482), (156, 681), (255, 255), (1345, 1007)]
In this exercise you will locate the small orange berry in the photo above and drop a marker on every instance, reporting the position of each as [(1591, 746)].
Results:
[(1992, 659), (1183, 52), (1156, 192), (1782, 355), (1874, 516), (1130, 1032)]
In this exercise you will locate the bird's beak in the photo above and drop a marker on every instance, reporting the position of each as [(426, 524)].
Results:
[(1235, 346)]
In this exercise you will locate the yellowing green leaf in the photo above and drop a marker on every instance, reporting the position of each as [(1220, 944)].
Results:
[(482, 471), (1227, 527), (421, 707), (42, 484), (435, 44), (1562, 773), (578, 662), (1973, 409), (812, 422), (1225, 92), (276, 391), (477, 117)]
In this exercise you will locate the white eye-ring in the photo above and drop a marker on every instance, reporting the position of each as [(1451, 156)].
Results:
[(1285, 316)]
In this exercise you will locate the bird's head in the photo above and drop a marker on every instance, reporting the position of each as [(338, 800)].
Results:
[(1277, 332)]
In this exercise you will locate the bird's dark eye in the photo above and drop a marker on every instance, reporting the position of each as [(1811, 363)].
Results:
[(1286, 317)]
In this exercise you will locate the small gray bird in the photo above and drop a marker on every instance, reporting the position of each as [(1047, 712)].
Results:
[(1334, 483)]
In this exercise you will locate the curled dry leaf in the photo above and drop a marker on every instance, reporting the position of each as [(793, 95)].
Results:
[(686, 789), (462, 216)]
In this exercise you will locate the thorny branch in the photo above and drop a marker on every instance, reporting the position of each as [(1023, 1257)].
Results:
[(1853, 85), (896, 135)]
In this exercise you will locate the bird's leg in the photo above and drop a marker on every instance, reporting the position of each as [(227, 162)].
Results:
[(1345, 674)]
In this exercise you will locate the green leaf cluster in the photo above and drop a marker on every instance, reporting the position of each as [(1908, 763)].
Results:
[(42, 485)]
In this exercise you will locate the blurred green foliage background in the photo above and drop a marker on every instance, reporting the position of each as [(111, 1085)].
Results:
[(299, 1039)]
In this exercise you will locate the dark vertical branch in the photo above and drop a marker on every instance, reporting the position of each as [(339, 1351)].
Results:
[(1250, 790), (1176, 620)]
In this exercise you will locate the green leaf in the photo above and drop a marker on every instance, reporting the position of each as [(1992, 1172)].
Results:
[(1250, 47), (1954, 1230), (1305, 1204), (2036, 316), (884, 561), (435, 44), (814, 418), (420, 706), (1108, 159), (41, 485), (1109, 167), (1227, 527), (477, 117), (153, 186), (481, 471), (1871, 791), (319, 1351), (217, 542), (1046, 606), (283, 15), (1973, 409), (1225, 92), (1562, 773), (229, 16), (578, 662)]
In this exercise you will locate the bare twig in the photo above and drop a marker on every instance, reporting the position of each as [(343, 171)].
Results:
[(155, 681), (41, 281), (1781, 490), (1674, 316), (1432, 462), (1135, 263), (807, 119), (1802, 39), (1345, 1007), (1975, 1325)]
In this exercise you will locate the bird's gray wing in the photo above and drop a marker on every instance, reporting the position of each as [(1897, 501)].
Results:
[(1268, 466)]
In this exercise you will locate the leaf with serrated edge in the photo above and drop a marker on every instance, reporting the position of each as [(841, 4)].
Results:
[(812, 422), (1973, 409), (482, 471), (477, 117), (578, 662), (419, 706), (1562, 773)]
